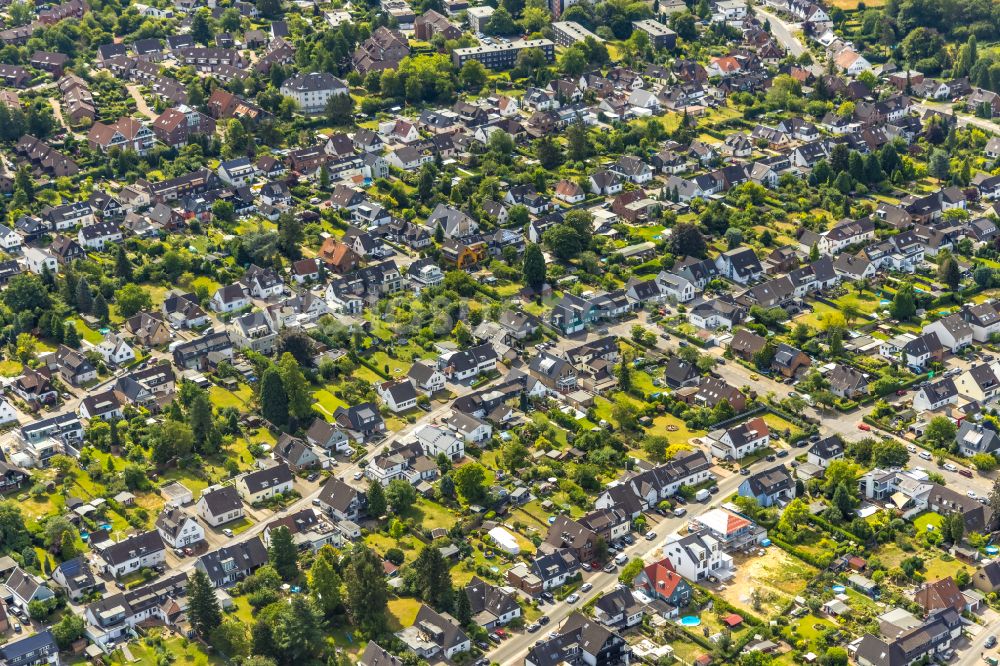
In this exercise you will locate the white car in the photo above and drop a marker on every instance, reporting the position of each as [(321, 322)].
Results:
[(586, 587), (911, 448), (950, 467), (971, 493), (925, 455), (358, 476), (573, 598)]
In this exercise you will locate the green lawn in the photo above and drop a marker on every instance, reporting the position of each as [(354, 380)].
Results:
[(402, 612), (173, 649), (431, 515), (926, 519), (10, 368), (327, 402), (222, 397), (86, 333)]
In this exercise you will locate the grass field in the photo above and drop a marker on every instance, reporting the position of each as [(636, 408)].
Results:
[(86, 333), (402, 612), (239, 398)]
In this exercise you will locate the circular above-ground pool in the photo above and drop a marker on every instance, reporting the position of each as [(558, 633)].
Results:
[(690, 620), (838, 588), (992, 550)]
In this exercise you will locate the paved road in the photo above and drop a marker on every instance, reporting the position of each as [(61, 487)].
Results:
[(513, 650), (140, 102), (783, 31), (963, 119), (973, 654)]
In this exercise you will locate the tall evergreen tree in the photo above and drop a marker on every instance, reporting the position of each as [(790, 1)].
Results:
[(376, 500), (123, 267), (84, 299), (433, 578), (367, 593), (203, 606), (296, 387), (282, 554), (273, 400), (534, 267), (206, 436), (324, 584), (101, 310)]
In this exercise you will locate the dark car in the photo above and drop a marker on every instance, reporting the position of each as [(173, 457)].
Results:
[(745, 471), (990, 642), (713, 489), (783, 453), (680, 500), (967, 473), (548, 597), (771, 458), (543, 620)]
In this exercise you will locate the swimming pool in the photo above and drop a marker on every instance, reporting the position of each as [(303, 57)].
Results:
[(690, 620)]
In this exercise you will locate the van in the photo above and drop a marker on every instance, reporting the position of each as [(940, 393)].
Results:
[(925, 455), (702, 495), (621, 559)]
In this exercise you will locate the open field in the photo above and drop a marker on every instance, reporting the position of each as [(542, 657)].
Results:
[(775, 576)]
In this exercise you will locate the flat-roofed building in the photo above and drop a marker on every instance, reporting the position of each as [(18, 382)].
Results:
[(568, 33), (660, 36), (502, 56)]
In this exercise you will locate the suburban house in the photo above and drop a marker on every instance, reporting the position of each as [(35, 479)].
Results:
[(219, 505), (264, 484), (738, 441), (142, 551), (769, 487)]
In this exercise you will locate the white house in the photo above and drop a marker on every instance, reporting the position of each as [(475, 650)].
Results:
[(676, 287), (398, 396), (115, 350), (264, 484), (178, 528), (954, 332), (141, 551), (312, 90), (426, 377), (7, 413), (697, 557), (736, 442), (229, 298), (40, 259), (436, 440), (219, 505)]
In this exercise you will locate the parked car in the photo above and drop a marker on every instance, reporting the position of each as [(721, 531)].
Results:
[(650, 535), (573, 598), (911, 448), (543, 620), (586, 587), (680, 512), (971, 493), (783, 453), (358, 476), (864, 426), (745, 471), (771, 458), (228, 532), (548, 597), (586, 566), (609, 567), (990, 642), (533, 627), (901, 392), (967, 473), (925, 455), (950, 467)]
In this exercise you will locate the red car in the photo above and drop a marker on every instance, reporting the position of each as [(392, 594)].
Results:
[(967, 473), (864, 426), (901, 392)]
